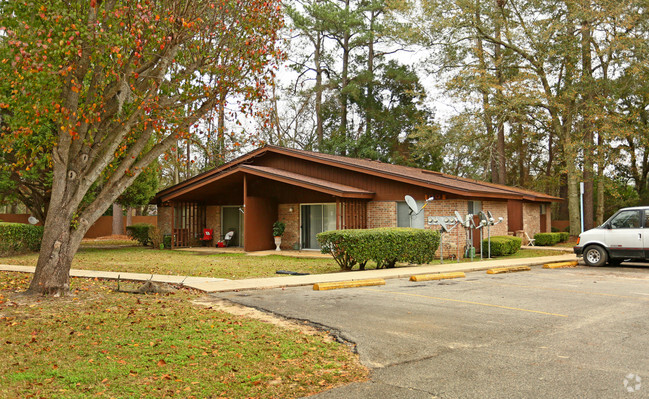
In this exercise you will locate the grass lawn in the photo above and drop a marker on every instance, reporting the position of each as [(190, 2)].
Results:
[(102, 343), (231, 265)]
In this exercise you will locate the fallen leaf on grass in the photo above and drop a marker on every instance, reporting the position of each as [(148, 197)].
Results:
[(161, 362)]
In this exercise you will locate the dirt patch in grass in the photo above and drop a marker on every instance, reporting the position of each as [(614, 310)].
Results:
[(245, 311), (101, 343)]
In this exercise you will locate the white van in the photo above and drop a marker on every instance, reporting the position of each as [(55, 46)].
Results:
[(625, 236)]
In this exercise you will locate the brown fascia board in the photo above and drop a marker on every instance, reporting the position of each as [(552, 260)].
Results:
[(197, 184), (405, 179), (292, 181), (514, 193), (322, 187), (209, 173), (351, 166)]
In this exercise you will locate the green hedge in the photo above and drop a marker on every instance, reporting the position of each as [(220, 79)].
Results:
[(385, 246), (547, 239), (18, 237), (140, 232), (564, 236), (502, 245)]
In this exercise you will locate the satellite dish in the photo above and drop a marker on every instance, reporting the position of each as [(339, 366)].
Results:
[(32, 220), (459, 218), (483, 217), (412, 204)]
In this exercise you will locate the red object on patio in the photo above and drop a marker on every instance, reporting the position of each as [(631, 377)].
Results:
[(207, 234)]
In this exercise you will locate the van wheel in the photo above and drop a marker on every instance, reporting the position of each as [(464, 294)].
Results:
[(595, 256)]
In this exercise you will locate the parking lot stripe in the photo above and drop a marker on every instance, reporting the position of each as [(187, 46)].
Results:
[(571, 291), (467, 302)]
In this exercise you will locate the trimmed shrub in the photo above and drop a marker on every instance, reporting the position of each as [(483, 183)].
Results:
[(140, 232), (554, 229), (385, 246), (502, 245), (564, 236), (546, 239), (156, 237), (18, 237)]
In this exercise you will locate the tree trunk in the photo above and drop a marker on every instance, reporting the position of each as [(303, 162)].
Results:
[(118, 225), (344, 83), (522, 173), (599, 214), (500, 147), (318, 89), (220, 127), (486, 107), (129, 216), (59, 244), (587, 84)]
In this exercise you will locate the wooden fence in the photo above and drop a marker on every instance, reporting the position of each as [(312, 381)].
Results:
[(101, 228)]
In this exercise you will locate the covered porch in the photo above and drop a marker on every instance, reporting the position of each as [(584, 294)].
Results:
[(248, 199)]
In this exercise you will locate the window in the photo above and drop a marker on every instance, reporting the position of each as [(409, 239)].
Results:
[(406, 219), (543, 210), (626, 220), (475, 207)]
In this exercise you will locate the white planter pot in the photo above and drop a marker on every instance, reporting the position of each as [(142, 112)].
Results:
[(278, 242)]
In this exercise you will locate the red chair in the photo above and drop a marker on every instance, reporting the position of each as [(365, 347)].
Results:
[(208, 235)]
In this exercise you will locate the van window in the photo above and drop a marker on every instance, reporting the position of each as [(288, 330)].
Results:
[(626, 220)]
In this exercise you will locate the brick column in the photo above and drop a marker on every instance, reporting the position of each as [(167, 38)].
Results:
[(290, 214)]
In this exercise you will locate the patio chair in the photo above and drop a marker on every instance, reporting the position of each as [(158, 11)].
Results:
[(228, 237), (530, 241), (208, 235), (225, 241)]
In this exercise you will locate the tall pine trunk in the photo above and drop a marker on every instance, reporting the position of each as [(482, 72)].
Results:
[(318, 89), (500, 142), (587, 79)]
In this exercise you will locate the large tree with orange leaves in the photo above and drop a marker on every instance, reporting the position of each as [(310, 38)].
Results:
[(106, 87)]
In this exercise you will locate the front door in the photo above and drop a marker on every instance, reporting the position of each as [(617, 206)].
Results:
[(624, 236), (316, 218), (232, 220)]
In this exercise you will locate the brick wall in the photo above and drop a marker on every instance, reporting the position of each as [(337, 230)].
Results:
[(531, 219), (497, 209), (454, 241), (164, 219), (291, 236), (213, 220), (381, 214)]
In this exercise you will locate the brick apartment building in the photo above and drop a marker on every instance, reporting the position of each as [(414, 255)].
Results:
[(313, 192)]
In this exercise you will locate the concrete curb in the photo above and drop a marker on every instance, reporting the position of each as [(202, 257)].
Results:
[(438, 276), (348, 284), (512, 269), (560, 265), (207, 284)]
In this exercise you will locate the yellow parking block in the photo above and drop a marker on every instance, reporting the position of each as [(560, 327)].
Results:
[(438, 276), (348, 284), (499, 270), (559, 265)]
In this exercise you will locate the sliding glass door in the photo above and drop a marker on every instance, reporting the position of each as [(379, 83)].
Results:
[(316, 218)]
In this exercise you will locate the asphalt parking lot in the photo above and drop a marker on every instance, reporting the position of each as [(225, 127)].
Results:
[(565, 333)]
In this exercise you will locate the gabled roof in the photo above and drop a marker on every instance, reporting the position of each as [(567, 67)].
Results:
[(425, 178)]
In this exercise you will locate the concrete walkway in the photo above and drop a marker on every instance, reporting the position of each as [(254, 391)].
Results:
[(208, 284)]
